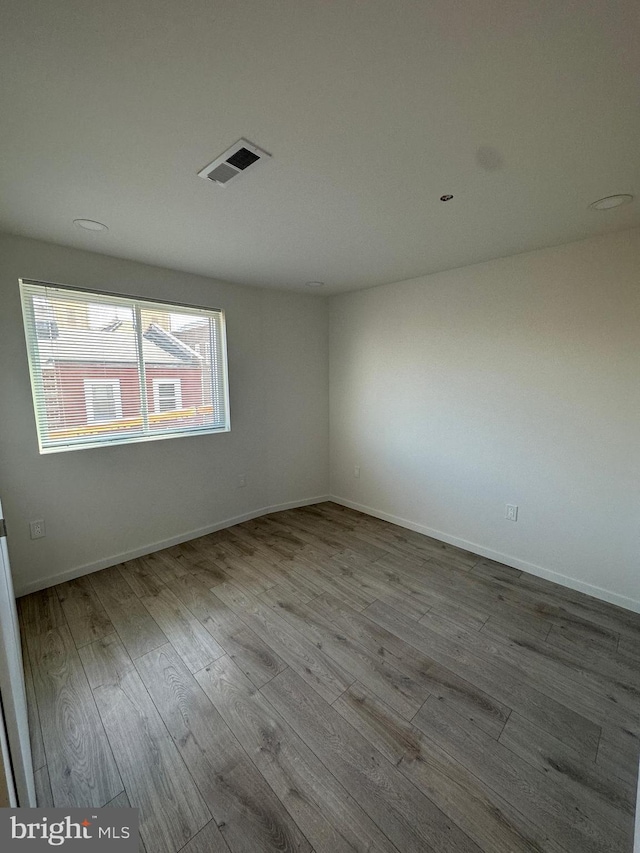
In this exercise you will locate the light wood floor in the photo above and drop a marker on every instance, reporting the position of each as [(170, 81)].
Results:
[(321, 680)]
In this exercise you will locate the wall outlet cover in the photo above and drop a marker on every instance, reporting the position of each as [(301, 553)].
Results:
[(37, 529), (511, 512)]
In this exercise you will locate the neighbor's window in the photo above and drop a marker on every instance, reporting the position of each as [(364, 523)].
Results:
[(167, 395), (112, 369), (103, 400)]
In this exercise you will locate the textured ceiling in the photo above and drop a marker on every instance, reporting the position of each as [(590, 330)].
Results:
[(525, 110)]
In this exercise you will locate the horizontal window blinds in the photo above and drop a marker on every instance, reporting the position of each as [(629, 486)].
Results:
[(111, 369)]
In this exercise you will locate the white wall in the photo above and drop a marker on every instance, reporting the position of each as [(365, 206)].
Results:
[(105, 502), (514, 381)]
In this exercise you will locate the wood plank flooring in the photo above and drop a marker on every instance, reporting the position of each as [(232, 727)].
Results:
[(320, 680)]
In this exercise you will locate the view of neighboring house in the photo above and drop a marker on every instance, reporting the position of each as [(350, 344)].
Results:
[(90, 362)]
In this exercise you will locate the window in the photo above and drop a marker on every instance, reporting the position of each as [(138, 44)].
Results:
[(103, 400), (111, 369), (167, 395)]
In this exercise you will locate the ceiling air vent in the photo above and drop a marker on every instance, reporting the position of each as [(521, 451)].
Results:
[(241, 157)]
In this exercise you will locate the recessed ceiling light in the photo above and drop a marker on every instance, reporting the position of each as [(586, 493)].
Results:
[(446, 197), (90, 225), (611, 201), (315, 284)]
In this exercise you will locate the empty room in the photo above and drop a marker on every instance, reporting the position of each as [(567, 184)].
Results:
[(319, 424)]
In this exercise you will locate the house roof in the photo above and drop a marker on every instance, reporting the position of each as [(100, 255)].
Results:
[(170, 343), (117, 346)]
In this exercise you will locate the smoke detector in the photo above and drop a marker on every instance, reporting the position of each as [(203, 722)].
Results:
[(240, 158)]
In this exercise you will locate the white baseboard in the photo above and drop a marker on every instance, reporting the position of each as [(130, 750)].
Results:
[(475, 548), (516, 563), (115, 559)]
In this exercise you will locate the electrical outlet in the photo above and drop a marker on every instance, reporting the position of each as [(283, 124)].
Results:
[(356, 472), (242, 481), (37, 529), (511, 512)]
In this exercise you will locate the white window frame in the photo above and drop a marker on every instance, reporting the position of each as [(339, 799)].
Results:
[(88, 399), (177, 392), (215, 414)]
